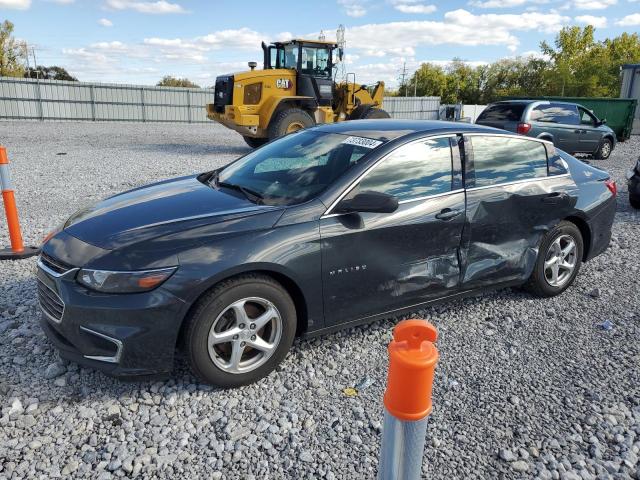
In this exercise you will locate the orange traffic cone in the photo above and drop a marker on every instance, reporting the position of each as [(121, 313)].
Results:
[(17, 250)]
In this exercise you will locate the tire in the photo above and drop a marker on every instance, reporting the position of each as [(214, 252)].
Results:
[(255, 142), (213, 317), (288, 121), (634, 201), (375, 113), (604, 150), (539, 284)]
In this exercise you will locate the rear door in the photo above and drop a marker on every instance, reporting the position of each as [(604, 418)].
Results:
[(561, 121), (512, 200), (377, 262)]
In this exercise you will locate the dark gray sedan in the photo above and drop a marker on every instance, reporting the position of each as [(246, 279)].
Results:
[(322, 229), (569, 126)]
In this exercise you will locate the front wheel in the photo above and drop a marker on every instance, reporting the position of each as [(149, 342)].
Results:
[(605, 149), (254, 142), (558, 262), (289, 121), (240, 331)]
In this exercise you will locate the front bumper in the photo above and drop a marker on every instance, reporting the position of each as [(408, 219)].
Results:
[(122, 335)]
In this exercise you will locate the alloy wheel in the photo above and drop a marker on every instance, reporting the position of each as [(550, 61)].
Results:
[(560, 261), (245, 335), (606, 150)]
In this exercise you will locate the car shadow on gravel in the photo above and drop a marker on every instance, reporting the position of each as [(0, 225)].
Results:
[(194, 149)]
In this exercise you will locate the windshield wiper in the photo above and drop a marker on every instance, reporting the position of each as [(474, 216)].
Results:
[(252, 195)]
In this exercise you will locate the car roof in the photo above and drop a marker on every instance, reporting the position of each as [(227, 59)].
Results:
[(528, 101), (390, 129)]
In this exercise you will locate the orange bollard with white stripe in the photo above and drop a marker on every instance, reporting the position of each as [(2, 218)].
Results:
[(17, 250), (407, 400)]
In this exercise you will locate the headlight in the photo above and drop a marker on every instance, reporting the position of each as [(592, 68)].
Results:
[(124, 282), (252, 94)]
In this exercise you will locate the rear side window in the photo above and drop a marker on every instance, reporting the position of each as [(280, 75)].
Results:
[(556, 113), (499, 160), (411, 171), (502, 112)]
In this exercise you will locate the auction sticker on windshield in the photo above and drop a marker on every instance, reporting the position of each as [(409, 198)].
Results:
[(362, 142)]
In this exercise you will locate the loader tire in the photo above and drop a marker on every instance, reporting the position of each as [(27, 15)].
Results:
[(375, 113), (289, 121), (254, 142)]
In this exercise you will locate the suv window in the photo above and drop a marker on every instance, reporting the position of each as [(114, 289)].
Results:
[(556, 113), (499, 160), (510, 112), (586, 118), (412, 171)]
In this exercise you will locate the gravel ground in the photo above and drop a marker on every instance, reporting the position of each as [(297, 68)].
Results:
[(525, 387)]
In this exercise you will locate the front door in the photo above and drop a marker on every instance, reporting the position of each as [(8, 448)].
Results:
[(373, 262), (314, 74), (590, 136), (512, 201)]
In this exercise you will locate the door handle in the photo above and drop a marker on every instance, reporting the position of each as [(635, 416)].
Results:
[(554, 198), (448, 214)]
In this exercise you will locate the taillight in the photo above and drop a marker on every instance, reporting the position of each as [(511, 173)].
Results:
[(611, 185), (523, 128)]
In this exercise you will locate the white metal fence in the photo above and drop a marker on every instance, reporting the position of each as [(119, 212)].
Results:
[(30, 99), (414, 108)]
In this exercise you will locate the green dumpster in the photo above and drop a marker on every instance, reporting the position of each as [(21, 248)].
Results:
[(619, 112)]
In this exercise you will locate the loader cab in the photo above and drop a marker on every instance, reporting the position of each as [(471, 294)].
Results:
[(313, 62)]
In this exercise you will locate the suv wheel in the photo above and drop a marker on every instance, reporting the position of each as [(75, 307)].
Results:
[(604, 151), (558, 262), (240, 331)]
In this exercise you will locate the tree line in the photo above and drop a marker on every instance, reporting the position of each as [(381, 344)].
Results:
[(575, 65)]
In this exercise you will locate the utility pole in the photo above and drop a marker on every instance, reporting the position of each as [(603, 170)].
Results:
[(35, 62), (403, 76)]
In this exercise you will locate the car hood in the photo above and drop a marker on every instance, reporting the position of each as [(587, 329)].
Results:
[(156, 210)]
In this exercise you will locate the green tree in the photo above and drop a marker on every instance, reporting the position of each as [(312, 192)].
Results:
[(50, 73), (11, 53), (169, 81)]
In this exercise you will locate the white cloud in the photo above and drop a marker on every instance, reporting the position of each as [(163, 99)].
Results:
[(63, 2), (406, 8), (593, 4), (497, 3), (159, 7), (630, 20), (105, 22), (598, 22), (15, 4), (354, 8)]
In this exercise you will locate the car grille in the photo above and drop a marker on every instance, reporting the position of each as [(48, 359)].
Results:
[(50, 302), (55, 265)]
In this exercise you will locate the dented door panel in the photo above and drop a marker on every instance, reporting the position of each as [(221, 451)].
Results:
[(505, 225), (373, 263)]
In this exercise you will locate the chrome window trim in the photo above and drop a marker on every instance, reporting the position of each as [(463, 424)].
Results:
[(429, 197), (508, 135), (328, 214), (118, 343), (516, 182)]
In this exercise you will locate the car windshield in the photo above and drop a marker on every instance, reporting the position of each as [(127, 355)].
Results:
[(296, 168)]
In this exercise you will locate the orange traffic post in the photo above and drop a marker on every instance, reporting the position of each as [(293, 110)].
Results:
[(17, 250), (407, 400)]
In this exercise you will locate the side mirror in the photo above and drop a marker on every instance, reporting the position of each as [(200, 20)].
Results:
[(603, 122), (374, 202)]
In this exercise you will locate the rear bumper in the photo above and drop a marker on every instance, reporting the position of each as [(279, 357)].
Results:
[(600, 225), (122, 335)]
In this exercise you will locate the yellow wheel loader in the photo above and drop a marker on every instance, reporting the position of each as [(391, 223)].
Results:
[(295, 90)]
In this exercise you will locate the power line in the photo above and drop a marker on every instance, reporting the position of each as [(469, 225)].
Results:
[(403, 76)]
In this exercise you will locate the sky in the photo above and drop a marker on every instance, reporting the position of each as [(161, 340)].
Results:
[(140, 41)]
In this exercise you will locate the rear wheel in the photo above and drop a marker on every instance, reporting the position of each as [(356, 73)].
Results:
[(375, 113), (240, 331), (605, 149), (558, 262), (289, 121), (255, 142)]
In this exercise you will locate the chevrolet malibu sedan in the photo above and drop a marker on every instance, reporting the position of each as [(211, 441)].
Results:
[(325, 228)]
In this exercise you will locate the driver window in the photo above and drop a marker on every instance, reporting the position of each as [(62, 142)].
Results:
[(586, 118), (315, 61), (412, 171)]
